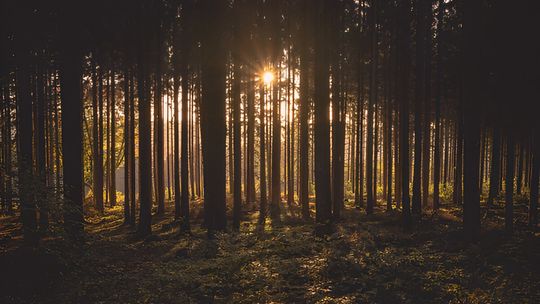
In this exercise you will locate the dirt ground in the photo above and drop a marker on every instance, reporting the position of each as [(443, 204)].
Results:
[(361, 259)]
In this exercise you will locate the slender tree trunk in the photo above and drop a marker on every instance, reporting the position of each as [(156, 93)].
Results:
[(458, 162), (250, 176), (533, 203), (237, 193), (40, 157), (419, 101), (145, 135), (338, 122), (98, 199), (509, 191), (158, 115), (127, 146), (304, 116), (426, 7), (404, 72), (112, 174), (176, 146), (8, 192), (521, 156), (438, 101), (262, 154), (372, 96)]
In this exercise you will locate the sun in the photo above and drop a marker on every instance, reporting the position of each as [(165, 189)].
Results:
[(268, 77)]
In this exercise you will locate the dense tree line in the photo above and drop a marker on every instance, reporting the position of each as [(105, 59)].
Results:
[(272, 105)]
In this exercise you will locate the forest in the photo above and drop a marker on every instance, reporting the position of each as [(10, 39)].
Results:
[(269, 151)]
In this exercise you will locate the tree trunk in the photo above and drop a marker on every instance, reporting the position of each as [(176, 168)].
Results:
[(72, 139), (25, 155), (237, 175), (509, 190), (127, 146), (213, 114), (471, 99), (262, 154), (533, 203), (419, 101), (322, 119), (304, 116), (112, 152), (372, 96), (404, 71)]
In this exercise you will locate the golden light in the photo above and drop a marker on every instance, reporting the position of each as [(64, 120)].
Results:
[(268, 77)]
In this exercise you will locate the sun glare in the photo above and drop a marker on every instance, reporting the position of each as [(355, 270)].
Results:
[(268, 77)]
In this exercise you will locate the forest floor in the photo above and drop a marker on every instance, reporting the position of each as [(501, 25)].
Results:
[(363, 259)]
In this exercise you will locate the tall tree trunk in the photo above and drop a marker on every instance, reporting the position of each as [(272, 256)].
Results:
[(72, 135), (458, 161), (237, 175), (40, 157), (403, 84), (419, 101), (250, 151), (213, 114), (426, 149), (262, 154), (158, 116), (145, 133), (127, 146), (8, 192), (303, 117), (112, 152), (176, 144), (184, 166), (370, 110), (98, 199), (322, 119), (471, 99), (338, 121), (25, 155), (438, 101)]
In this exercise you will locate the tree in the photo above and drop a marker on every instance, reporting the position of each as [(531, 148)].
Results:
[(403, 97), (419, 101), (304, 115), (70, 73), (213, 114), (322, 119), (112, 152), (472, 56), (275, 17), (145, 138), (533, 203), (158, 116), (97, 161), (24, 128), (372, 100), (495, 166), (338, 116), (128, 141), (509, 190)]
